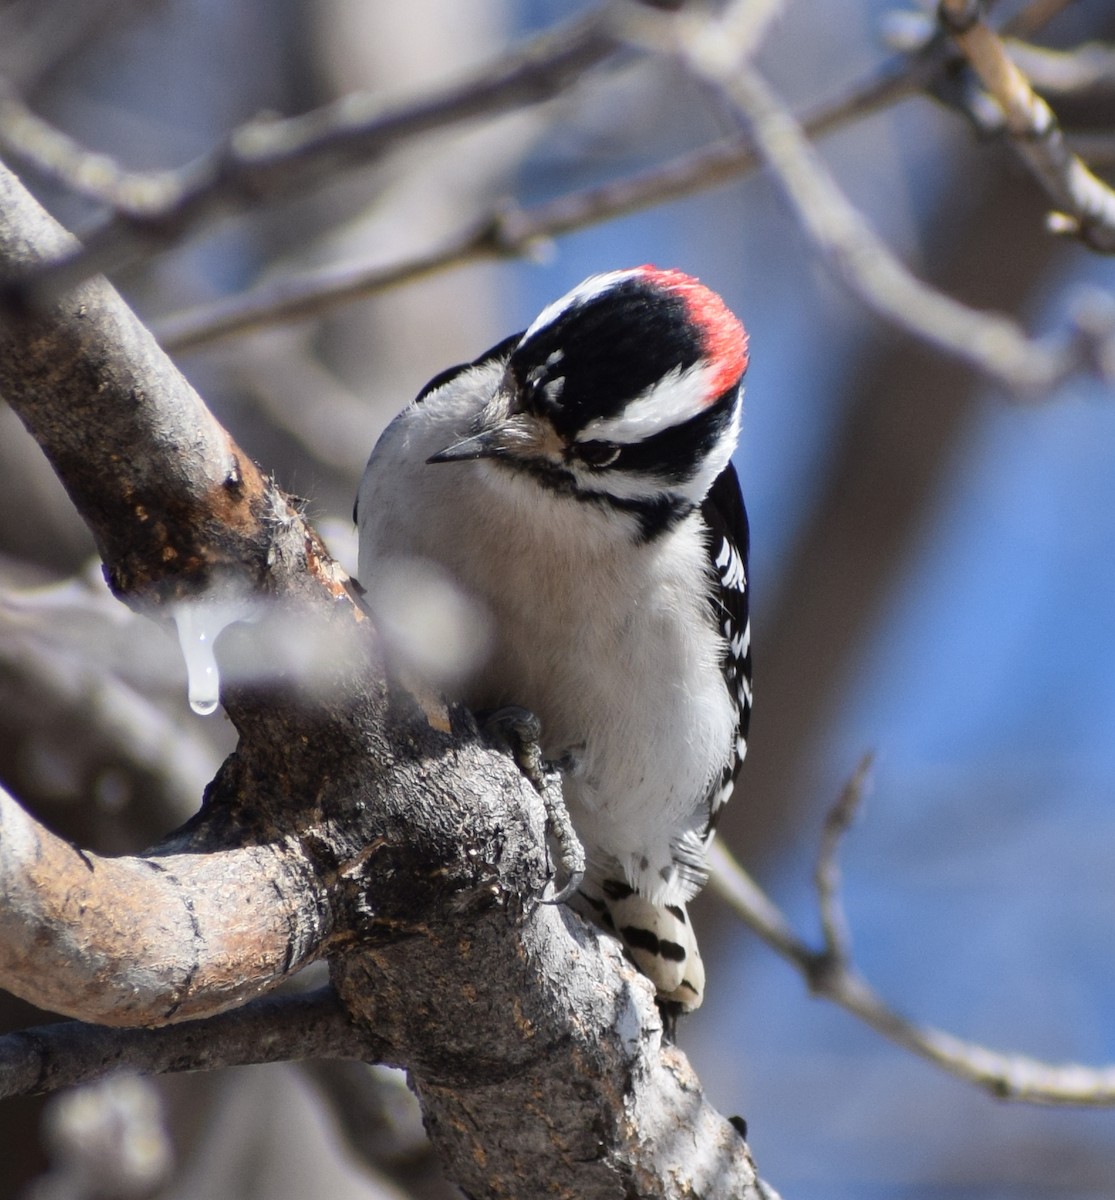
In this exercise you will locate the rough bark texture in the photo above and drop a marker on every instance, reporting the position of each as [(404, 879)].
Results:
[(273, 1029), (347, 824), (77, 930)]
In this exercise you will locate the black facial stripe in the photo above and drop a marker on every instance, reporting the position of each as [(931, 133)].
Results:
[(608, 350), (655, 514), (675, 454)]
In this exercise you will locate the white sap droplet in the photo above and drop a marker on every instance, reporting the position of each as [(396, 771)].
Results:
[(199, 625)]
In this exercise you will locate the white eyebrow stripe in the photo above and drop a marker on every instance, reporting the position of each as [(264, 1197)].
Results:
[(678, 396), (581, 294)]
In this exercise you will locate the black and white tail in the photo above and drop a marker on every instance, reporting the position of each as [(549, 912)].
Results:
[(658, 938)]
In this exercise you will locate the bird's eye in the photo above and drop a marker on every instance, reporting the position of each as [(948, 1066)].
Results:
[(597, 454)]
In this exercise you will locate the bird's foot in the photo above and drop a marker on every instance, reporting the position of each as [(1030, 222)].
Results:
[(519, 730)]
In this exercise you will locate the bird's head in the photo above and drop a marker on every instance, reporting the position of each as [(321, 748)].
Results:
[(626, 391)]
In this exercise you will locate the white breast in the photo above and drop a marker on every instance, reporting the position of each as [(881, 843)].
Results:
[(606, 639)]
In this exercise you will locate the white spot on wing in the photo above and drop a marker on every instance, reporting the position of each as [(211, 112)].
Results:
[(730, 565)]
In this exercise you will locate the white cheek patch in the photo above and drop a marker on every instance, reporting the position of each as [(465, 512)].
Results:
[(676, 398), (696, 489)]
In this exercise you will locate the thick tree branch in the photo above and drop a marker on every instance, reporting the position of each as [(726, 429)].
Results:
[(270, 1029), (77, 930), (171, 501)]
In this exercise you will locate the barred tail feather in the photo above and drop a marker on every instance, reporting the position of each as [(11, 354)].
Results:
[(658, 938)]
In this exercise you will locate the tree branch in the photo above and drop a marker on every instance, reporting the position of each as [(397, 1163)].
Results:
[(857, 256), (270, 1029), (513, 232), (169, 498), (831, 973), (77, 930), (1087, 203), (1064, 72), (826, 875)]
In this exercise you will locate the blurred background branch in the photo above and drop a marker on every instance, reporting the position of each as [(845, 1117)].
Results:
[(1088, 204), (267, 158), (284, 1028), (830, 972)]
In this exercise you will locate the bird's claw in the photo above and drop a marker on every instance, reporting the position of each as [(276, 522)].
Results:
[(519, 729), (571, 854)]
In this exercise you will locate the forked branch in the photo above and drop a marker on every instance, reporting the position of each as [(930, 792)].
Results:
[(831, 972)]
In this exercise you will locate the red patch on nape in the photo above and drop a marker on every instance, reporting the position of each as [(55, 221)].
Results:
[(725, 339)]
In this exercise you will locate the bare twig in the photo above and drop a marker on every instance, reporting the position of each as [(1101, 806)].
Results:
[(270, 1029), (830, 973), (510, 231), (26, 138), (1052, 72), (1086, 203), (1064, 72), (990, 342), (834, 924), (265, 159), (310, 293)]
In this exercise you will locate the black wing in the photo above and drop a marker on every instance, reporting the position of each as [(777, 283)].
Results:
[(729, 545)]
